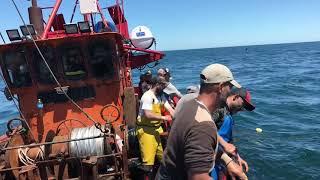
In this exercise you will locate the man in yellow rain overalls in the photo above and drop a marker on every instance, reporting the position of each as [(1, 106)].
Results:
[(149, 122)]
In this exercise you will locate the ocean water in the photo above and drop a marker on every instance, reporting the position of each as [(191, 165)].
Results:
[(284, 81)]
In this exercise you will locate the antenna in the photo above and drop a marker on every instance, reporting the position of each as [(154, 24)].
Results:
[(2, 38), (35, 16), (34, 3)]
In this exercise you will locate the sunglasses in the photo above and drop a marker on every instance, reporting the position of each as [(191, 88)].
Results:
[(228, 83), (242, 107), (163, 84)]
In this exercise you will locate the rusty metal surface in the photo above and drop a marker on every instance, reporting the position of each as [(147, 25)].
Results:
[(59, 158), (59, 148), (12, 155), (23, 171)]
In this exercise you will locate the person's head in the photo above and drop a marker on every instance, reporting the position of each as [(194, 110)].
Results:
[(238, 100), (148, 75), (158, 84), (164, 72), (142, 77), (217, 80), (192, 89)]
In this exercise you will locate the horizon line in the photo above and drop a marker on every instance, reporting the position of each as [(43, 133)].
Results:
[(217, 47)]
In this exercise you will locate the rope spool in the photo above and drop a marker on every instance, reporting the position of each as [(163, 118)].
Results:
[(89, 147)]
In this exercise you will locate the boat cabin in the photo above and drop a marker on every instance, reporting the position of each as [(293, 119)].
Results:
[(90, 67)]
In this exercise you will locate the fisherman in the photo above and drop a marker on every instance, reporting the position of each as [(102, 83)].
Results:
[(192, 93), (192, 144), (192, 89), (149, 122), (238, 100), (144, 83), (218, 117), (171, 90)]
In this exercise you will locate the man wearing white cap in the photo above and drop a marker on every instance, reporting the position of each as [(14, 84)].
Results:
[(192, 142)]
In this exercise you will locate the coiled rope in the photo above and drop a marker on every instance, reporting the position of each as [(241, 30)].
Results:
[(26, 160), (88, 147)]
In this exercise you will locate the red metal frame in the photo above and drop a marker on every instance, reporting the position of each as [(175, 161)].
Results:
[(120, 21), (51, 18), (118, 18), (105, 22), (143, 50), (117, 14), (136, 61)]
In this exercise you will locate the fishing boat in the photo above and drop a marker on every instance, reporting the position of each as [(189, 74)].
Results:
[(72, 85)]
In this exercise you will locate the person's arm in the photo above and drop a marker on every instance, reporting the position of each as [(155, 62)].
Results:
[(147, 103), (168, 107), (228, 147), (199, 148), (171, 89), (225, 130), (243, 163), (150, 115), (177, 92), (235, 171), (233, 168)]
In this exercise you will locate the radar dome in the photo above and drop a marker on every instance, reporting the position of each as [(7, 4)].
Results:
[(141, 37)]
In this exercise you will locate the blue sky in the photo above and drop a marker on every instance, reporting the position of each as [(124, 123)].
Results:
[(207, 23)]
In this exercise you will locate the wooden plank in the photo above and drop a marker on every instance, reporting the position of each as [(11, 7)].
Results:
[(130, 107)]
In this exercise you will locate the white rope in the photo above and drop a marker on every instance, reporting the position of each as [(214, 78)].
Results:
[(88, 147), (26, 160), (119, 142)]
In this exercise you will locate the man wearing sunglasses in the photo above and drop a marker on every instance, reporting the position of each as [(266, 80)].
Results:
[(238, 100)]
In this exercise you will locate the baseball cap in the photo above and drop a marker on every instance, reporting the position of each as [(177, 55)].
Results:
[(217, 73), (167, 70), (164, 71), (246, 96), (148, 72), (161, 71)]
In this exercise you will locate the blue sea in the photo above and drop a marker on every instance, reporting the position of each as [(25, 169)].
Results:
[(284, 81)]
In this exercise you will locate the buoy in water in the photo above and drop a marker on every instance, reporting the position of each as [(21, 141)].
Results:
[(259, 130)]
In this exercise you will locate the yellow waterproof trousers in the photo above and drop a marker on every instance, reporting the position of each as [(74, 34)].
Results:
[(150, 143)]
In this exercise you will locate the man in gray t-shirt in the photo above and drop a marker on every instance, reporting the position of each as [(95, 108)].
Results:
[(192, 142)]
